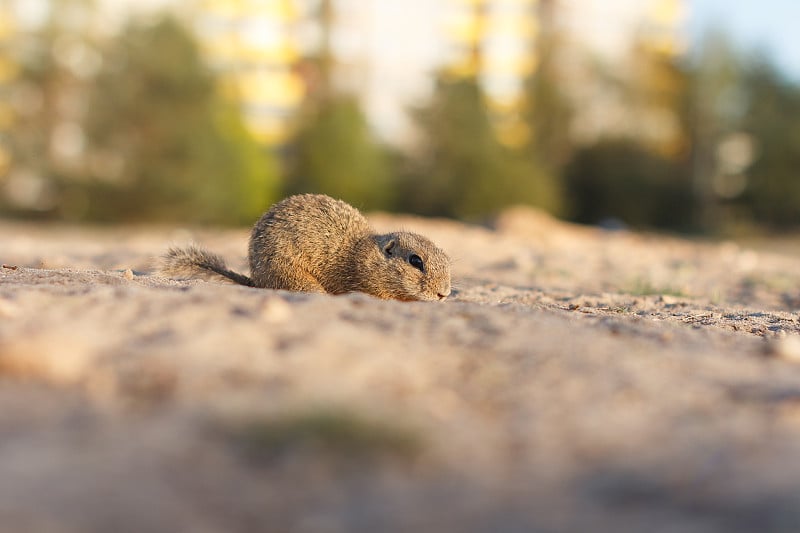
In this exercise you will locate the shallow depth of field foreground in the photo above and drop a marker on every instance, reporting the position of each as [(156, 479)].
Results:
[(577, 380)]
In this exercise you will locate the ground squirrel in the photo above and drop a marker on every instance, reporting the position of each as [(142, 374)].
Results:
[(311, 242)]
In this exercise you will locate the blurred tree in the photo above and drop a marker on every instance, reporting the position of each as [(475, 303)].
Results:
[(641, 175), (620, 181), (54, 63), (8, 74), (654, 93), (163, 144), (549, 112), (334, 152), (459, 168), (772, 118), (712, 108)]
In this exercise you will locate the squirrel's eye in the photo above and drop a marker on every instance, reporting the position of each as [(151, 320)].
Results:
[(416, 261)]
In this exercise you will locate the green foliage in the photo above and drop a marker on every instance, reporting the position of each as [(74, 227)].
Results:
[(736, 94), (147, 137), (167, 146), (461, 169), (773, 119), (157, 141), (549, 115), (710, 109), (44, 93), (620, 179), (548, 110), (335, 153)]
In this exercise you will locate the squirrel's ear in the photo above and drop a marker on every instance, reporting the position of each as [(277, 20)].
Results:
[(389, 247)]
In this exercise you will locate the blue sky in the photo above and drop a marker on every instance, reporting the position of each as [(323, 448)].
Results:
[(771, 25)]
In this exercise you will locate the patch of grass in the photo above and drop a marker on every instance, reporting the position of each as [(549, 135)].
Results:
[(775, 282), (642, 287), (338, 432)]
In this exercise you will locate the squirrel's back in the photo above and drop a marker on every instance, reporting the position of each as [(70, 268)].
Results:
[(310, 233)]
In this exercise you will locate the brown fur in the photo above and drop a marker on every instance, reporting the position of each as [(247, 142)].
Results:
[(311, 242)]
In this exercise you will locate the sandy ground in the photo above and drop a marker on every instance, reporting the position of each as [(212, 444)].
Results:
[(578, 380)]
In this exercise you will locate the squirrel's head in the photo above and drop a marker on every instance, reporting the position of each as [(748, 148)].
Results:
[(408, 266)]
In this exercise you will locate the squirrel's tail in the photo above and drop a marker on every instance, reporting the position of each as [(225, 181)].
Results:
[(196, 262)]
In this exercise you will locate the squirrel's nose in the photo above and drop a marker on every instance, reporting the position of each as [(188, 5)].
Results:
[(444, 294)]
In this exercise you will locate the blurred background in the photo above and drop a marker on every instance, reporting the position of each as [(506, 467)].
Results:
[(678, 115)]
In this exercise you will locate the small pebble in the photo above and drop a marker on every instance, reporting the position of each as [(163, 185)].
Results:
[(787, 348), (8, 309), (276, 310), (128, 274)]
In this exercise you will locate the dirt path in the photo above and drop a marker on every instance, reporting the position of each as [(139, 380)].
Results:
[(578, 380)]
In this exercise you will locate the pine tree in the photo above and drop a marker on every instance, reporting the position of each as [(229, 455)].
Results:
[(772, 118), (166, 145), (334, 152), (460, 168)]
